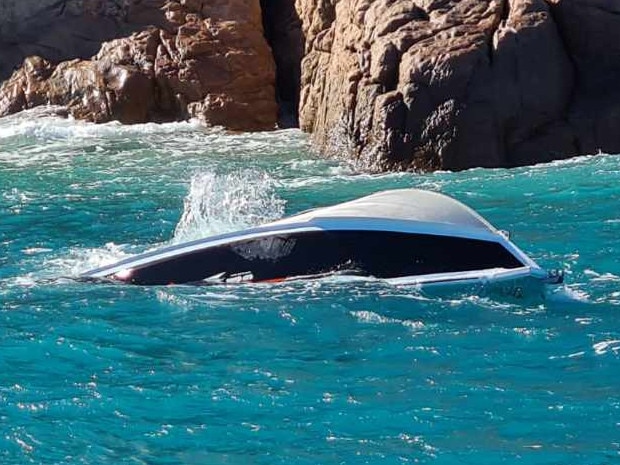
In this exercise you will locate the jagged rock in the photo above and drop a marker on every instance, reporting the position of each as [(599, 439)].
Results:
[(394, 84), (207, 60), (429, 84)]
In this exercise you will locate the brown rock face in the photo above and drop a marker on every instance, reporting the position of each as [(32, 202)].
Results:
[(200, 59), (394, 84), (429, 84)]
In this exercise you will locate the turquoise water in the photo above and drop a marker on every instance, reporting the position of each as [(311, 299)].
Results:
[(320, 372)]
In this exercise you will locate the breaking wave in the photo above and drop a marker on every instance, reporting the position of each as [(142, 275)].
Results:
[(44, 123)]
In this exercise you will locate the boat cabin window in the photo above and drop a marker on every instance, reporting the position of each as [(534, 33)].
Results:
[(368, 253)]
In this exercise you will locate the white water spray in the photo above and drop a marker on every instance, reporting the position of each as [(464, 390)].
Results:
[(218, 203)]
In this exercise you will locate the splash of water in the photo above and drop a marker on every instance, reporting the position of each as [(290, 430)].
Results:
[(218, 203)]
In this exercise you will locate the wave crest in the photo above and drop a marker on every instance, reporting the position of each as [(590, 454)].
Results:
[(218, 203)]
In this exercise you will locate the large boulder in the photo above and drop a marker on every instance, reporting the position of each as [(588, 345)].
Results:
[(188, 58), (430, 84)]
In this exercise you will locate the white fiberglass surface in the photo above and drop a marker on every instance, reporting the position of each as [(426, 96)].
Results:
[(415, 205)]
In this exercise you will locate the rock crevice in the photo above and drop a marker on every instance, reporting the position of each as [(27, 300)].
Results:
[(282, 27)]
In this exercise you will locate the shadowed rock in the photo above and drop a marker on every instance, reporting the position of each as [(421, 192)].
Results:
[(283, 32), (591, 32)]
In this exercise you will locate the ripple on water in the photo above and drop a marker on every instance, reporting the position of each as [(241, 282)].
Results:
[(327, 371)]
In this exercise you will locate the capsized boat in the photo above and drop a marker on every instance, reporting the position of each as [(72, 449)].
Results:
[(405, 236)]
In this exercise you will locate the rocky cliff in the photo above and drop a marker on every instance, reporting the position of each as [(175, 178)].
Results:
[(393, 84), (429, 84), (163, 60)]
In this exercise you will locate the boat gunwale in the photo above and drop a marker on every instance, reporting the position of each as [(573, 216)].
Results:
[(487, 275)]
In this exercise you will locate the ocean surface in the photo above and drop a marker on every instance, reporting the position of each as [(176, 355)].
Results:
[(322, 372)]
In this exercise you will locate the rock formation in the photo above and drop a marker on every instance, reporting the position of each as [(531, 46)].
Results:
[(393, 84), (429, 84), (186, 58)]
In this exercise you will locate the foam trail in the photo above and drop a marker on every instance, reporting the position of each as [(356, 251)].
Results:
[(78, 260), (44, 123), (566, 294), (218, 203)]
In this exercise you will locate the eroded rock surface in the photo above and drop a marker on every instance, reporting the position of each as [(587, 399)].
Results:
[(186, 58), (394, 84), (429, 84)]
